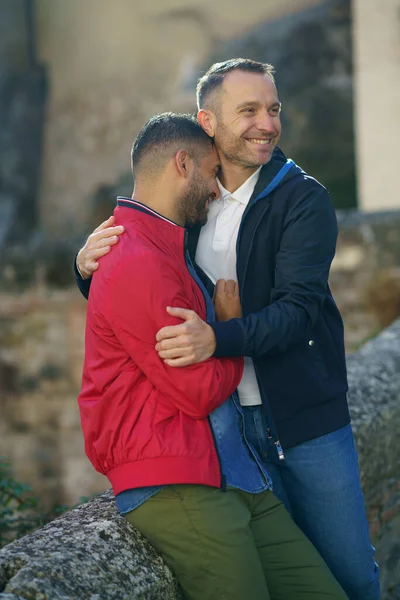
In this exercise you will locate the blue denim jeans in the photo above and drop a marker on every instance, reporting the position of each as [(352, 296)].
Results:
[(319, 483)]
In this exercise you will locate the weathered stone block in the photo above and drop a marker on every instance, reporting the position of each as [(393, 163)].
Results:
[(89, 553)]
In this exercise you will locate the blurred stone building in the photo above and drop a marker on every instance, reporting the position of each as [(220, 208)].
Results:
[(376, 42), (112, 65)]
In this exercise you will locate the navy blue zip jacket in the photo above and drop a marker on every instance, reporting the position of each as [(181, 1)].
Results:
[(291, 327)]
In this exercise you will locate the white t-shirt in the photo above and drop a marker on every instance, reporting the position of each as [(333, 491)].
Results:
[(216, 255)]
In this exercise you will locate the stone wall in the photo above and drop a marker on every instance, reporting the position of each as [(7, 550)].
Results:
[(41, 357), (374, 399), (365, 276), (91, 552)]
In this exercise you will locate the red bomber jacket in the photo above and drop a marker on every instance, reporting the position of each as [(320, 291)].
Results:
[(145, 423)]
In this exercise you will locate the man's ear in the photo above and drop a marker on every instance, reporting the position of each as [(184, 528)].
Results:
[(183, 163), (207, 120)]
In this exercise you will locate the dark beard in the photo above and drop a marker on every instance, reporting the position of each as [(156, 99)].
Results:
[(193, 204)]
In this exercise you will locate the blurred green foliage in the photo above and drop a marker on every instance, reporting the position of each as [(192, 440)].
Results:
[(20, 510)]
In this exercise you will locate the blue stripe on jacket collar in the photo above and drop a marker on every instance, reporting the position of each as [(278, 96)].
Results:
[(277, 179)]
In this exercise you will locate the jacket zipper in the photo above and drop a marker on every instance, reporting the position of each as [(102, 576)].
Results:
[(270, 421), (278, 446), (186, 257)]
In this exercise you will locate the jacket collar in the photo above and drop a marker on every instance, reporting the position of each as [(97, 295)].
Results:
[(164, 233), (269, 171)]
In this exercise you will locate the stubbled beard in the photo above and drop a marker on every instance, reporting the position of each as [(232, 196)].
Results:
[(233, 148), (193, 204), (241, 162)]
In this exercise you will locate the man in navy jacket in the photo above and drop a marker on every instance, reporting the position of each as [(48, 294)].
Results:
[(270, 240)]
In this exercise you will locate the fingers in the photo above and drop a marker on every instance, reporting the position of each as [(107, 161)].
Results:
[(230, 287), (93, 266), (175, 331), (106, 234), (220, 287), (181, 313), (108, 223), (104, 241), (180, 362), (172, 343), (224, 286), (98, 244), (107, 229), (171, 331), (176, 353), (94, 253)]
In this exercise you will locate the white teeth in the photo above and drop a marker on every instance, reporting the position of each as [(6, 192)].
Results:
[(261, 142)]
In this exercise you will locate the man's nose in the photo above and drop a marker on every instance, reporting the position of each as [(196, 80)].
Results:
[(266, 122)]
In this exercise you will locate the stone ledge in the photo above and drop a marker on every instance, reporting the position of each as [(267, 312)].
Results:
[(353, 218), (374, 399), (91, 553)]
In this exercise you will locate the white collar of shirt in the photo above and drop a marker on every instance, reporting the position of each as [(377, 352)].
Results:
[(244, 192)]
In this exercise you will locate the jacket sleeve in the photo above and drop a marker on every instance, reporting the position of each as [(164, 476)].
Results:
[(136, 309), (83, 284), (301, 284)]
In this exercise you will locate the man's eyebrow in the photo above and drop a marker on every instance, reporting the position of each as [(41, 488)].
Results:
[(257, 103)]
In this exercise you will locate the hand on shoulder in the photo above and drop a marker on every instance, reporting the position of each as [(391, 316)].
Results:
[(97, 245)]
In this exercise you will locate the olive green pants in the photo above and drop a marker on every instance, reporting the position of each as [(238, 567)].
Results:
[(233, 545)]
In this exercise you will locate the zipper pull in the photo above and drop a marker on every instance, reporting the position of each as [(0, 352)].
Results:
[(277, 445), (281, 456)]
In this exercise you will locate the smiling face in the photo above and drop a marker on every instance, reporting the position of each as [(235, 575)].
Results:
[(247, 119)]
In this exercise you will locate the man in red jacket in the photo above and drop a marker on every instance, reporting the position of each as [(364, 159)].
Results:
[(170, 440)]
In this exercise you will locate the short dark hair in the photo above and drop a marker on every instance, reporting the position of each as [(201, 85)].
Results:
[(216, 74), (165, 134)]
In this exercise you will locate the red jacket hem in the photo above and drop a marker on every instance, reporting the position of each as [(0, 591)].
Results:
[(165, 471)]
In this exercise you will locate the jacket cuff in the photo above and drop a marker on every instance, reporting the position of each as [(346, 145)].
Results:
[(229, 338), (83, 284)]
